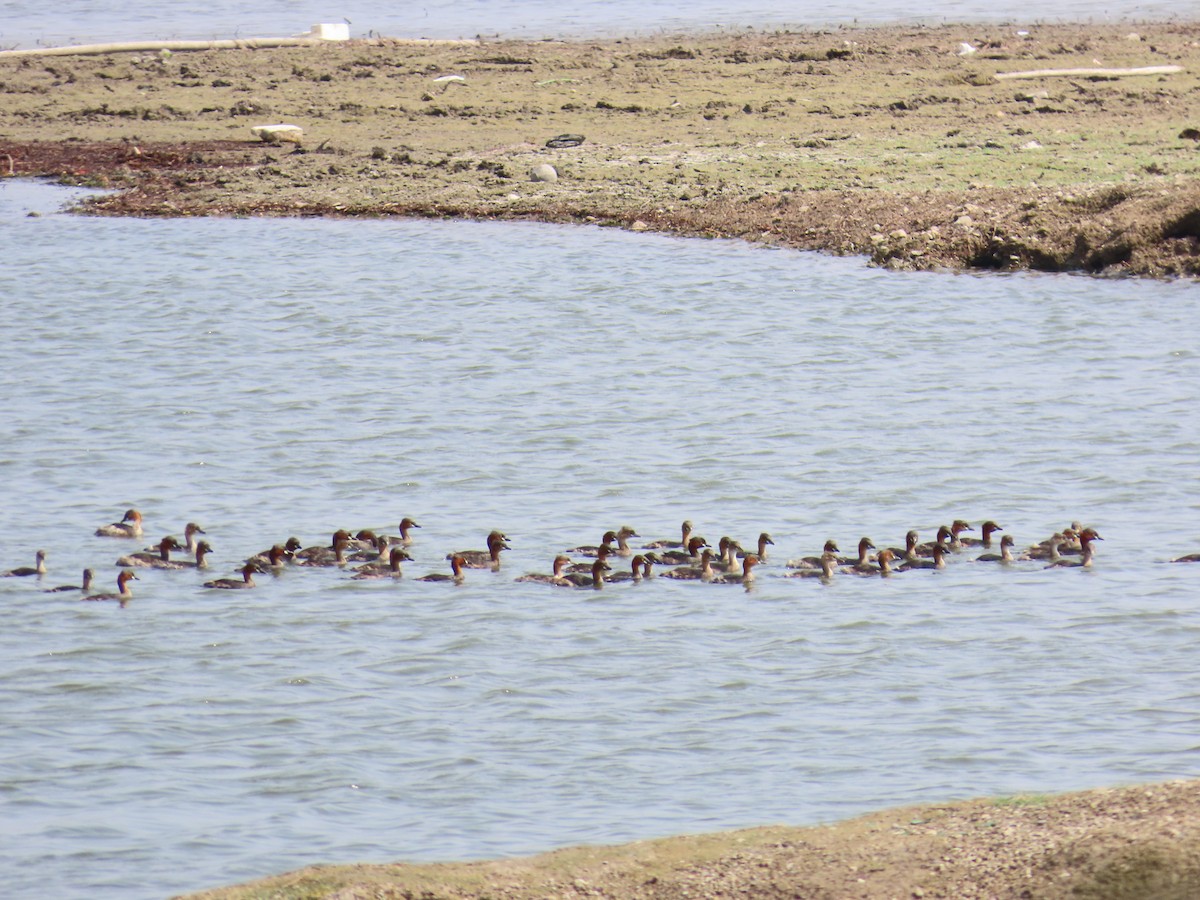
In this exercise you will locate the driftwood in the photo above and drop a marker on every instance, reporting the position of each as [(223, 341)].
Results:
[(1084, 73)]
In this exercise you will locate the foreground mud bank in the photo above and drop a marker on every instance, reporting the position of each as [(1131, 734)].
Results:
[(1131, 843), (896, 143)]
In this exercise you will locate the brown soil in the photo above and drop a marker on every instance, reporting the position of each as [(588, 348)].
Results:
[(882, 142), (1136, 843)]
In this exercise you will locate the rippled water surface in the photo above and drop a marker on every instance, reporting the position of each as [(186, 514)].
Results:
[(271, 378)]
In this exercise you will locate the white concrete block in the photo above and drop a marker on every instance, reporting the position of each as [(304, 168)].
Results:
[(331, 31)]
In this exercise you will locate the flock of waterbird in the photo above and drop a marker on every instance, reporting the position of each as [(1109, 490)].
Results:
[(368, 555)]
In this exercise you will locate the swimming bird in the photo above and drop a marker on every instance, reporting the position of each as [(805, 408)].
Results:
[(288, 548), (691, 553), (729, 553), (273, 561), (124, 593), (159, 558), (702, 572), (957, 527), (23, 571), (862, 561), (1191, 557), (882, 565), (365, 539), (202, 550), (381, 569), (88, 575), (744, 577), (593, 550), (1073, 543), (829, 561), (640, 567), (325, 556), (1004, 556), (580, 580), (1085, 554), (559, 566), (456, 566), (190, 530), (1052, 547), (130, 526), (406, 525), (885, 560), (375, 551), (986, 530), (763, 540), (911, 538), (484, 559), (944, 536), (813, 562), (938, 561), (686, 531), (247, 581), (624, 533), (602, 552)]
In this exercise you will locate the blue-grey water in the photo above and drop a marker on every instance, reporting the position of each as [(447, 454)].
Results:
[(26, 23), (268, 378)]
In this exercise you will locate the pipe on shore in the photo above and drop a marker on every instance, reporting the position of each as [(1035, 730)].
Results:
[(1084, 73), (185, 46)]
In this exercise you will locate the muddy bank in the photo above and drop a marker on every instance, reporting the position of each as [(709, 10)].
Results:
[(888, 142), (1126, 844)]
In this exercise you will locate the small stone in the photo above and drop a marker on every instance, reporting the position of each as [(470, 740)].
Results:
[(964, 221), (898, 235), (277, 134), (544, 172), (639, 225)]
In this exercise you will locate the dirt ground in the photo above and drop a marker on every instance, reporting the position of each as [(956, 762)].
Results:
[(889, 142), (1135, 843)]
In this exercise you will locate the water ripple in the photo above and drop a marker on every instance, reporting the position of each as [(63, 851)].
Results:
[(196, 739)]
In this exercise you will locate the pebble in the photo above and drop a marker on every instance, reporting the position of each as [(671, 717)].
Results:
[(544, 172), (275, 134), (565, 140)]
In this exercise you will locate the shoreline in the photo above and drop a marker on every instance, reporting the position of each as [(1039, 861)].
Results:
[(1123, 843), (891, 143)]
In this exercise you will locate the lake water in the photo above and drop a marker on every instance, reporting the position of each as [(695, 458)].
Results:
[(268, 378), (26, 23)]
